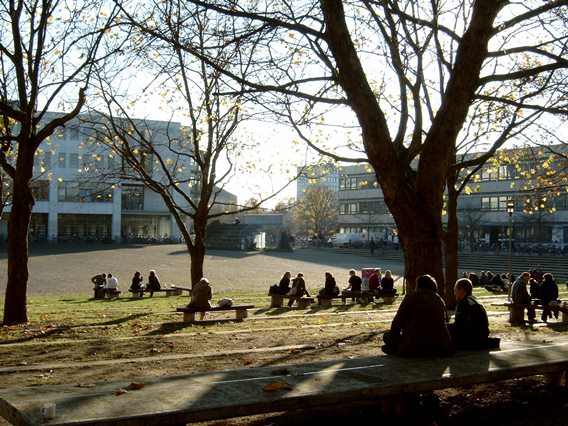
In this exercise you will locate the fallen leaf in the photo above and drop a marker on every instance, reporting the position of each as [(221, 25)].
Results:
[(136, 385), (276, 386), (120, 391), (248, 361)]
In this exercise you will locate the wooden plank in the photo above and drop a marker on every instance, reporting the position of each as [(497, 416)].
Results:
[(226, 394)]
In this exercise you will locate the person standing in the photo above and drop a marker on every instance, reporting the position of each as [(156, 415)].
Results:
[(153, 282), (419, 326), (470, 329), (372, 245), (520, 294)]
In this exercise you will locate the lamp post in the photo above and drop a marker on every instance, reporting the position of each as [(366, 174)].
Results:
[(510, 210)]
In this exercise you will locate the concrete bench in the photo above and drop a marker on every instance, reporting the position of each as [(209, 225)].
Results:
[(208, 396), (110, 294), (178, 290), (189, 311), (277, 300), (517, 311), (140, 293), (325, 301)]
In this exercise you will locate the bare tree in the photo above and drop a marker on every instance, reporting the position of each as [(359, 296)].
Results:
[(47, 49), (317, 211), (413, 75), (187, 165)]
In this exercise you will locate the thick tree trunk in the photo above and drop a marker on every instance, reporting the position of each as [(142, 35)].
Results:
[(451, 240), (15, 306)]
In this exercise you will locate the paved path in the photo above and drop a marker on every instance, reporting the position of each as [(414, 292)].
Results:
[(67, 269)]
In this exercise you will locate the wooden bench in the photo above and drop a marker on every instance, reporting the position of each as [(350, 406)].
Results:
[(189, 311), (362, 297), (140, 293), (178, 290), (218, 395), (277, 300), (517, 311), (111, 294)]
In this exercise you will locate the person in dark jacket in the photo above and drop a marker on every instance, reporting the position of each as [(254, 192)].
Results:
[(284, 284), (330, 288), (153, 282), (136, 284), (419, 326), (470, 330), (548, 293)]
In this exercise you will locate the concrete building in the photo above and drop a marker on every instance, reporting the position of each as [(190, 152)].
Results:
[(81, 193), (483, 215)]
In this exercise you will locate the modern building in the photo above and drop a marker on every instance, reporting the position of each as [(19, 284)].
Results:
[(483, 213), (326, 175), (82, 194)]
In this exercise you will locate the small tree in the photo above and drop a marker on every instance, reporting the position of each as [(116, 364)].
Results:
[(317, 212)]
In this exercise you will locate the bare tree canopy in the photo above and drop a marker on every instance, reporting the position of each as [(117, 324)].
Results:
[(420, 80)]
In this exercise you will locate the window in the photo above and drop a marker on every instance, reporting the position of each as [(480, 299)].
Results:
[(74, 161), (85, 192), (40, 190), (61, 160), (133, 197)]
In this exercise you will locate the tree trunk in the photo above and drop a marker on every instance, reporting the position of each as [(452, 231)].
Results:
[(451, 240), (15, 305)]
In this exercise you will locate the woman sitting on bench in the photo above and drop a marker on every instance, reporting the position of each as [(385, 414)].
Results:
[(153, 282), (201, 294)]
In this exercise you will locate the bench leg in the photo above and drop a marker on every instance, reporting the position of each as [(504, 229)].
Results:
[(303, 303), (241, 313), (177, 292), (188, 316), (325, 303), (565, 317), (388, 300), (516, 315), (276, 300), (169, 293)]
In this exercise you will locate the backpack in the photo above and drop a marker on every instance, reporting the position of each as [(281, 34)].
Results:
[(274, 289)]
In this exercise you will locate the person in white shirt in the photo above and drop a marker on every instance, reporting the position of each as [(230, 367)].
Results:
[(111, 284)]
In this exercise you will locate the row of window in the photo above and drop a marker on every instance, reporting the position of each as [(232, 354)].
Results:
[(73, 160), (85, 192)]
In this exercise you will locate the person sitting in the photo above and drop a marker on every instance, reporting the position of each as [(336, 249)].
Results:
[(298, 289), (548, 293), (330, 288), (153, 282), (111, 285), (284, 284), (419, 326), (100, 282), (201, 294), (470, 329), (375, 282), (354, 286), (387, 285), (136, 285), (496, 283), (520, 294)]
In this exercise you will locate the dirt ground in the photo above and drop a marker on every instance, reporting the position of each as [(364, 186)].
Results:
[(138, 342)]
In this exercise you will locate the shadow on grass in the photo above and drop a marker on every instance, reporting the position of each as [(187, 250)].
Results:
[(173, 327), (54, 331)]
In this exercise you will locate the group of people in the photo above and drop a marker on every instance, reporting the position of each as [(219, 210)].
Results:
[(296, 286), (104, 284), (537, 287), (419, 327), (152, 285), (107, 283)]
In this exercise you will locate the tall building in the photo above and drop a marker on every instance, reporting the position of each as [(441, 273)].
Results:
[(326, 175)]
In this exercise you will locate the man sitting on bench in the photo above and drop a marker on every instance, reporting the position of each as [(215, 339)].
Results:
[(470, 329)]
